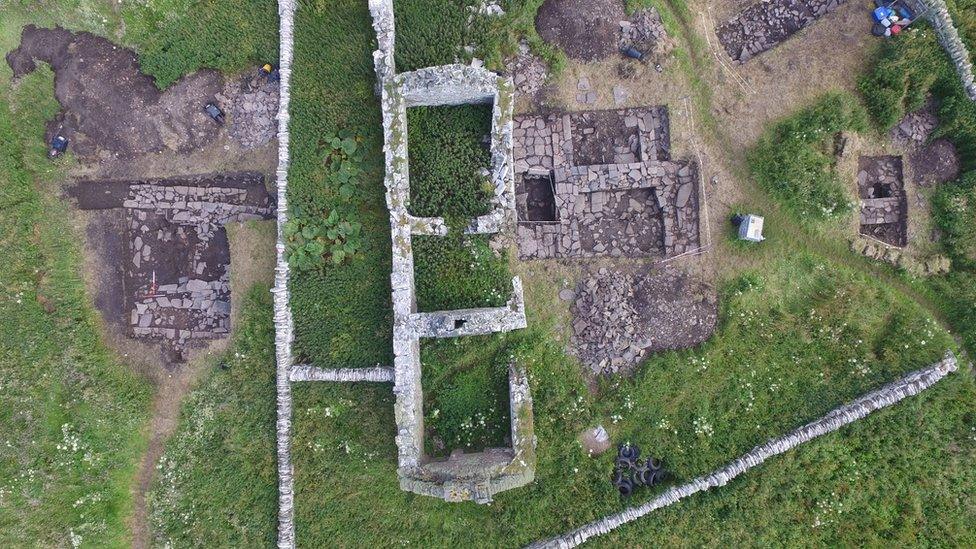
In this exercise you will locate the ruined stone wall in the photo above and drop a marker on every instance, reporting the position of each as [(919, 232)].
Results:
[(475, 476), (282, 311), (909, 385), (307, 372), (938, 16)]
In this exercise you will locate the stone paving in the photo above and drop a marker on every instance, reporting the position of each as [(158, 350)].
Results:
[(614, 189), (762, 26), (176, 254)]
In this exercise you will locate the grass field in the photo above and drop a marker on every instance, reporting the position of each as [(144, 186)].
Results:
[(71, 415), (798, 335)]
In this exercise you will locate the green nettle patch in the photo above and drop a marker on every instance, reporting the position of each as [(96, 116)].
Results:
[(466, 403), (794, 159), (438, 32), (312, 237), (449, 160), (458, 272)]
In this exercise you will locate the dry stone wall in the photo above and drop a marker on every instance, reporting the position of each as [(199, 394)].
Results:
[(938, 16), (307, 372), (909, 385)]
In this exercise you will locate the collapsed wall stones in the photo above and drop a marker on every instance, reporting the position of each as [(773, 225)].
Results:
[(463, 476), (764, 25)]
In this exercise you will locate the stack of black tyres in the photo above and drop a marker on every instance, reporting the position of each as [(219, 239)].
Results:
[(630, 472)]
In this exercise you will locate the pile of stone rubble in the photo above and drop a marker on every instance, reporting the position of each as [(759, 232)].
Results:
[(253, 110), (645, 32), (189, 309), (619, 317), (528, 72), (915, 128), (605, 325), (175, 251), (884, 208), (166, 219), (764, 25)]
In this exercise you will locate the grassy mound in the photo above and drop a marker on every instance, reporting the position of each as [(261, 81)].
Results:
[(794, 159)]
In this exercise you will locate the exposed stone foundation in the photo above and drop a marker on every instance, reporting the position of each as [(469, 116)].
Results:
[(615, 190)]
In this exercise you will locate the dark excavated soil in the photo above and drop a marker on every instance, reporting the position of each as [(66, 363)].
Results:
[(111, 109), (934, 163), (585, 30)]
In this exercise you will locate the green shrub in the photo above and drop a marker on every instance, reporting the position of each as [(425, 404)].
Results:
[(334, 233), (448, 159), (905, 72), (438, 32), (458, 272), (794, 159), (176, 37)]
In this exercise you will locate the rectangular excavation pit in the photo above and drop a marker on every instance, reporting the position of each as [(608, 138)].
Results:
[(171, 253), (615, 189), (884, 205), (601, 137), (622, 224), (535, 197)]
